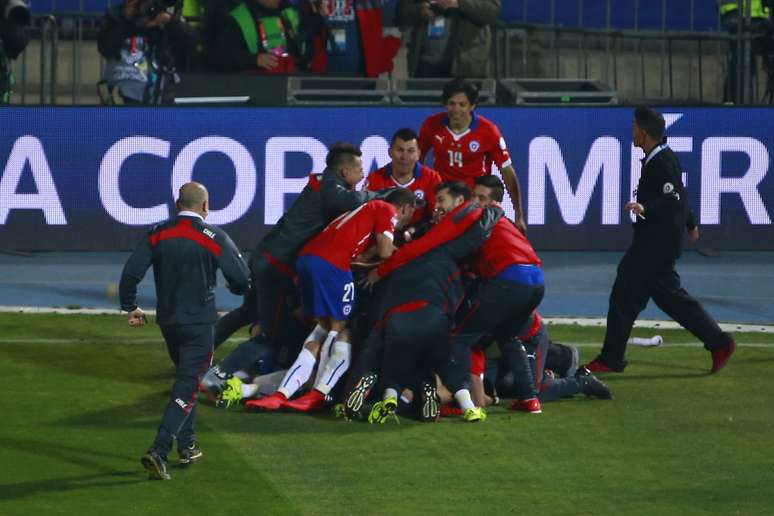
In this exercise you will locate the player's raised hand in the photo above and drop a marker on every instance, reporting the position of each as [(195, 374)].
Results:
[(137, 318), (636, 208)]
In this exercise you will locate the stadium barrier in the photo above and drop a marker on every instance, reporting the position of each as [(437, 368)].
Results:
[(96, 178)]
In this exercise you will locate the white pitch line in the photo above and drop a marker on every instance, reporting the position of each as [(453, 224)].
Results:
[(668, 345), (160, 340), (570, 321), (108, 340)]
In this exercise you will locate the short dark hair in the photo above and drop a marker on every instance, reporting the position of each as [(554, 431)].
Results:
[(456, 189), (494, 184), (650, 121), (455, 86), (341, 154), (401, 197), (404, 134)]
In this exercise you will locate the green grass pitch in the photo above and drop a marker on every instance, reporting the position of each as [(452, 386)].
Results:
[(82, 396)]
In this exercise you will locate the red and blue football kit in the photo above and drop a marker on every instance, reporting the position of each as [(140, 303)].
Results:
[(423, 185), (464, 156), (508, 255), (324, 263)]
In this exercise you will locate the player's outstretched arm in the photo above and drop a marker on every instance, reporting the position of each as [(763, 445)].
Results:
[(134, 270), (338, 199), (233, 266), (511, 181)]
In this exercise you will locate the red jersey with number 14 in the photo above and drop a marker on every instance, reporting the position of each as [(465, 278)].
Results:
[(351, 233), (464, 156)]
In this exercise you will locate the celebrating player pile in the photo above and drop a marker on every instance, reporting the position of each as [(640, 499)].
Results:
[(387, 299), (396, 285)]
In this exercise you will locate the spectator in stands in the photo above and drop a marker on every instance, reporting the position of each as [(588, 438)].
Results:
[(730, 17), (450, 38), (260, 36), (142, 40), (347, 37), (14, 36)]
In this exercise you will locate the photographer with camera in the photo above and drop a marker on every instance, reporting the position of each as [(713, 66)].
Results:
[(14, 36), (142, 40), (450, 38), (260, 36)]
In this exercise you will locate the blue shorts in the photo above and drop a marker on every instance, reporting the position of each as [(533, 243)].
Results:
[(524, 274), (326, 290)]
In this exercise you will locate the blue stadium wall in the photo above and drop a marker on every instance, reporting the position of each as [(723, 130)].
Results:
[(96, 178)]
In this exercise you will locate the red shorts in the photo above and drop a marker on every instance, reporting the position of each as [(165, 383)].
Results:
[(477, 361)]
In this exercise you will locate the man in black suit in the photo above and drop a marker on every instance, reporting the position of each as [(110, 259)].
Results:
[(185, 253), (648, 267)]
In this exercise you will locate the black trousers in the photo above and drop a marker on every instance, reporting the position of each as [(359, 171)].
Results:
[(190, 348), (549, 389), (416, 345), (499, 309), (269, 302), (637, 281)]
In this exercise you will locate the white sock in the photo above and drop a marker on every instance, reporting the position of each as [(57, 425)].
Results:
[(317, 335), (325, 355), (298, 374), (334, 369), (249, 390), (242, 375), (389, 393), (463, 399), (269, 383)]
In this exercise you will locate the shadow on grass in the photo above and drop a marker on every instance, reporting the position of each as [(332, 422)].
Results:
[(121, 363), (293, 423), (103, 476), (144, 412), (668, 365)]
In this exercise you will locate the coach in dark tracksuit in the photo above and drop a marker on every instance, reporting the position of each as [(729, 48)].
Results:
[(185, 253), (648, 267), (325, 197)]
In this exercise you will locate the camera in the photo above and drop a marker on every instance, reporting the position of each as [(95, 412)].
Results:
[(149, 9), (16, 11)]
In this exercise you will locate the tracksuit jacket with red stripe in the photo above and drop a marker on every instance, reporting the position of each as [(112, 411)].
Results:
[(185, 253), (324, 198), (429, 273)]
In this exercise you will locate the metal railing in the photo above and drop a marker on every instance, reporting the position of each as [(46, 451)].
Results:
[(521, 50), (561, 41), (611, 46)]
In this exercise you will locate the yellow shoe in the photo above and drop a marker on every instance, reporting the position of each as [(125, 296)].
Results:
[(382, 410), (472, 415), (231, 394)]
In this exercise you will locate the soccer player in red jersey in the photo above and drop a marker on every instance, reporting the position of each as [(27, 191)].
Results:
[(406, 171), (511, 287), (328, 294), (465, 144)]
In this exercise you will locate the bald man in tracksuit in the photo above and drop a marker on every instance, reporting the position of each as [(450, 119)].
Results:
[(185, 253)]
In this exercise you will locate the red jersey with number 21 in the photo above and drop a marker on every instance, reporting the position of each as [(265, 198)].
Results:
[(351, 233), (464, 156)]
